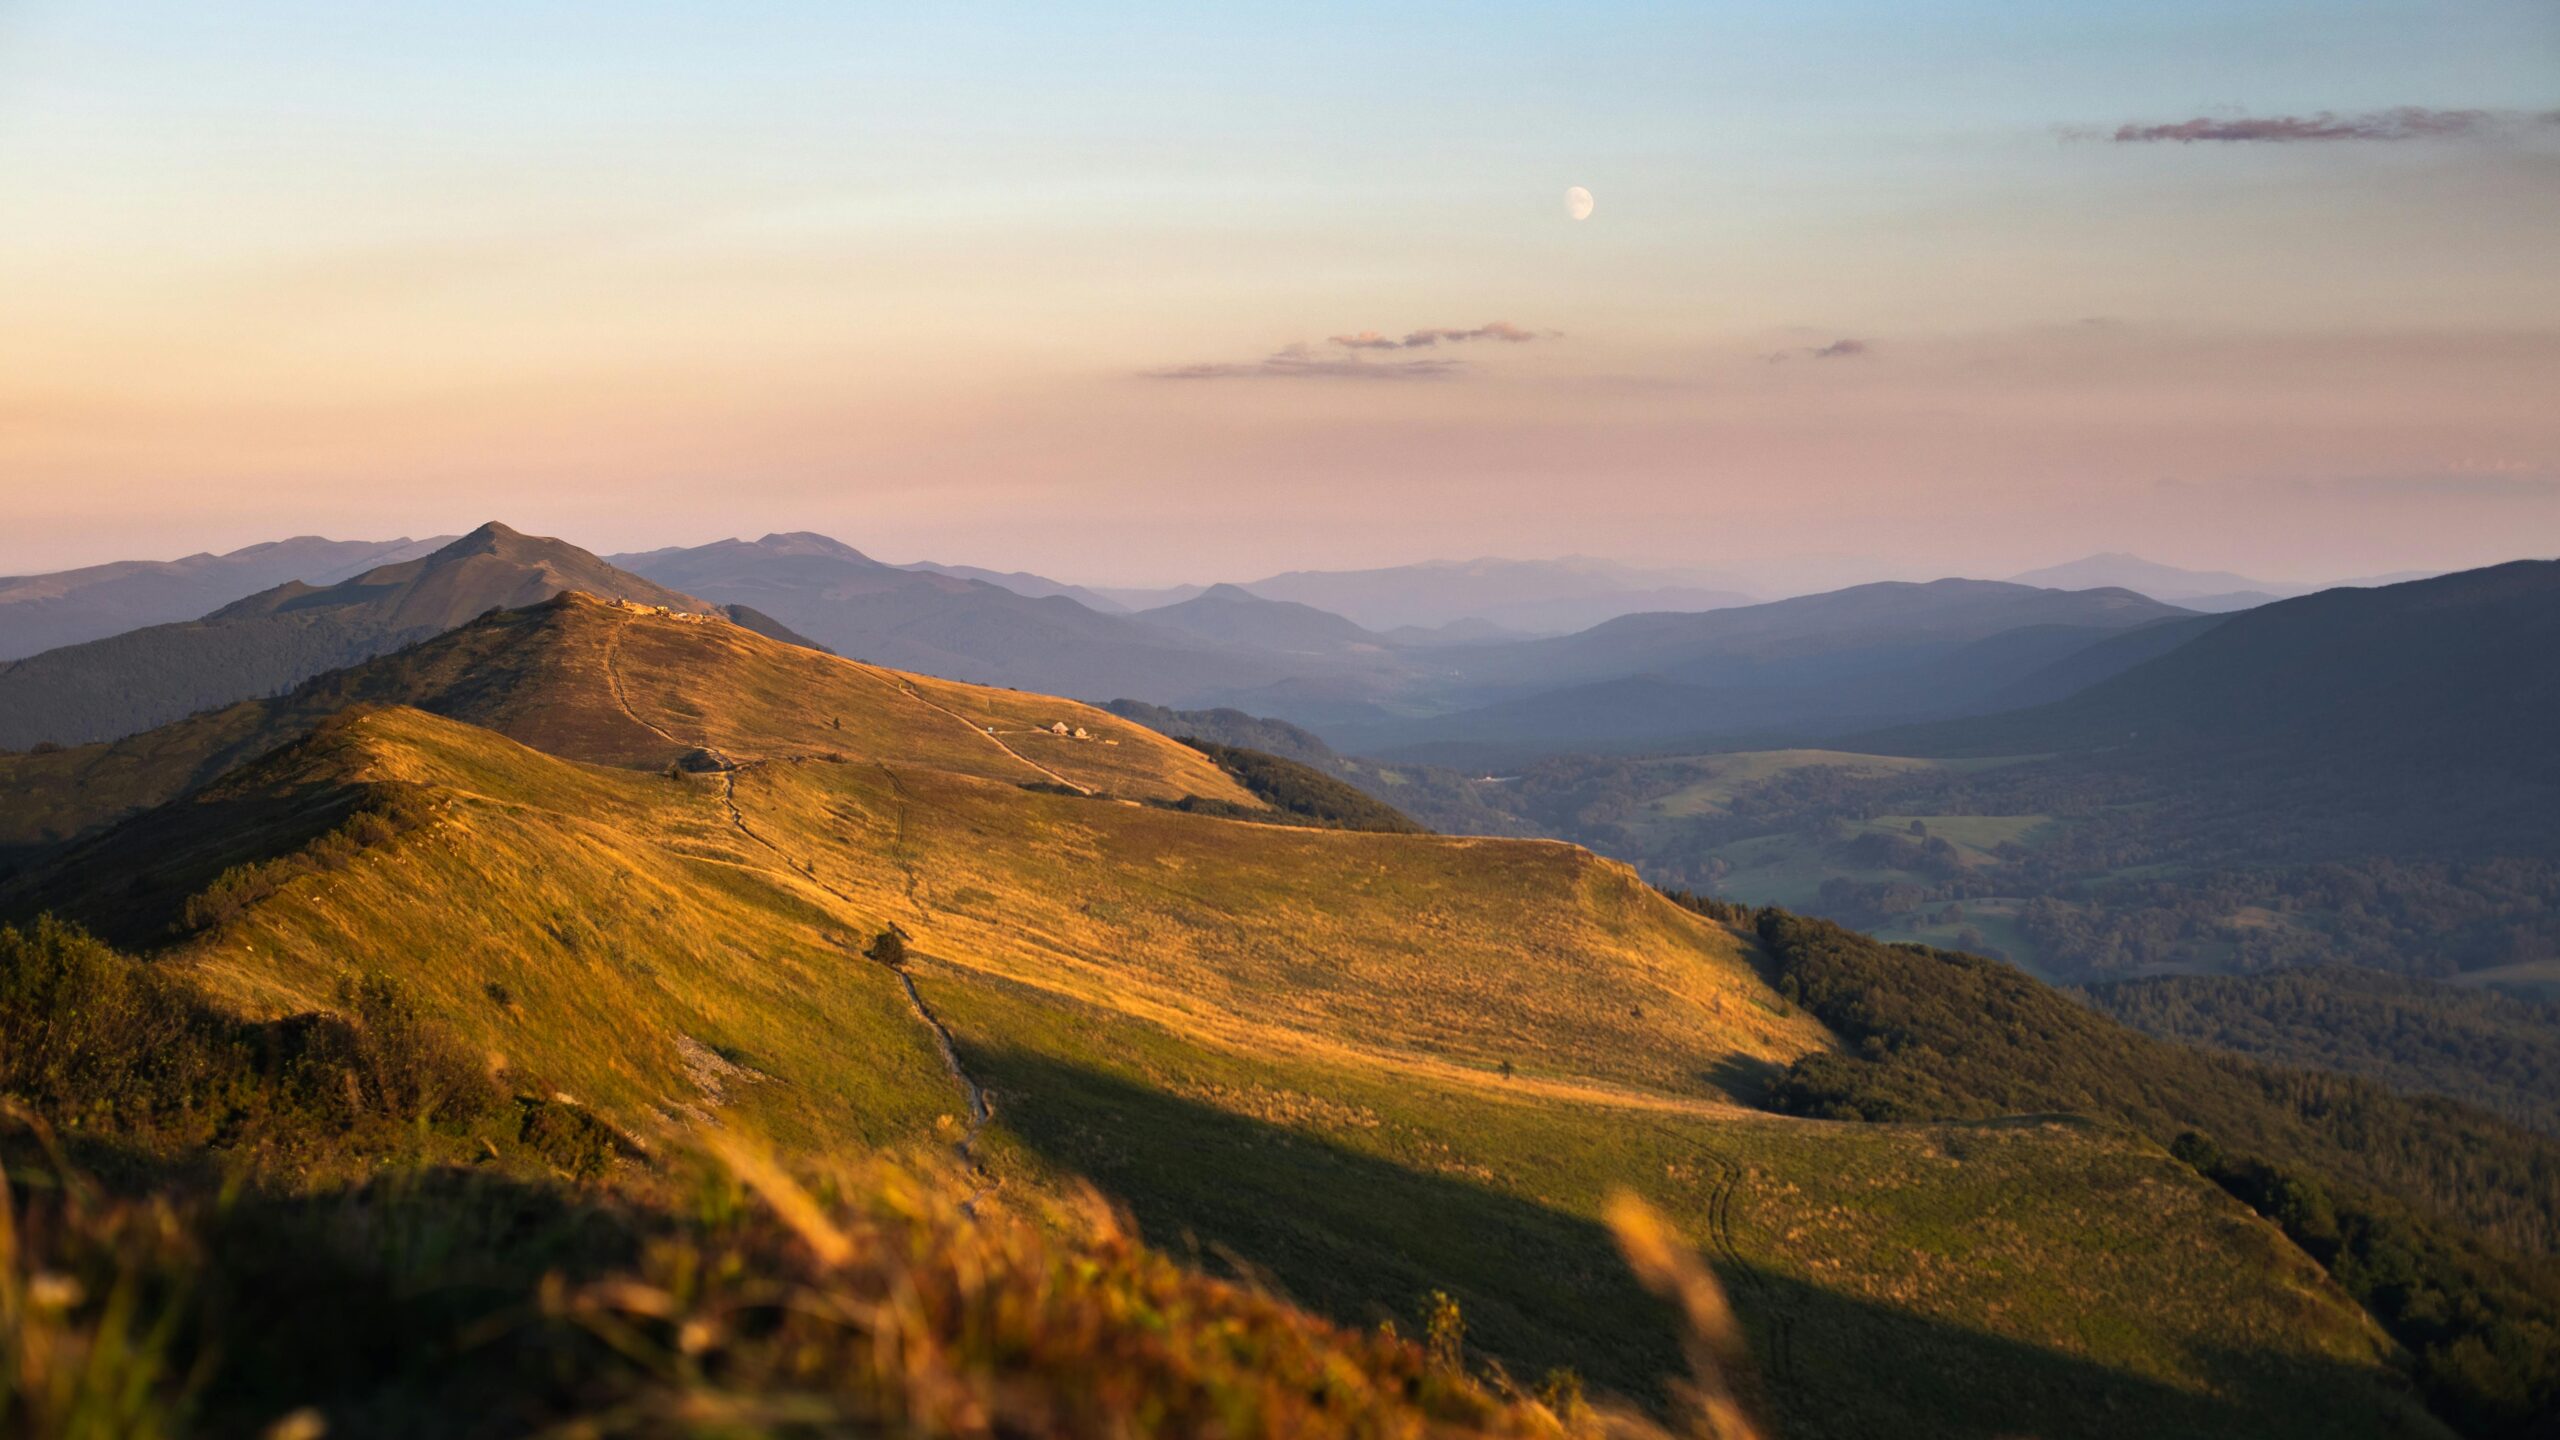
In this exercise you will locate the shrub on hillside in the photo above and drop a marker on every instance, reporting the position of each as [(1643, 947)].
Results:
[(889, 947), (103, 1042), (96, 1041), (387, 812)]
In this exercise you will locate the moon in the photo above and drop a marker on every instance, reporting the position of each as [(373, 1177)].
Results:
[(1577, 203)]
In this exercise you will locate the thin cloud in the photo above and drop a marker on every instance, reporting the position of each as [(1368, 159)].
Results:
[(1306, 362), (1843, 348), (1502, 330), (1300, 362), (2408, 122)]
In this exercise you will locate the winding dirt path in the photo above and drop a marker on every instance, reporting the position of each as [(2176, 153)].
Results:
[(886, 679), (981, 1109), (973, 727), (613, 681)]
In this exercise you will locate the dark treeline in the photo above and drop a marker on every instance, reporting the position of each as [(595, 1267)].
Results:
[(1301, 792), (1435, 797), (2496, 1051)]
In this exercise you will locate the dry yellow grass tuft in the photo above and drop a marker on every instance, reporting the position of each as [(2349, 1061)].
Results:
[(1722, 1390), (893, 1309)]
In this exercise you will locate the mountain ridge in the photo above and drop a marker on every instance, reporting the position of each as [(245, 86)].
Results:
[(47, 611), (267, 643)]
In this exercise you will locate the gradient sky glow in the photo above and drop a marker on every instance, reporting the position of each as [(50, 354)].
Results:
[(1023, 287)]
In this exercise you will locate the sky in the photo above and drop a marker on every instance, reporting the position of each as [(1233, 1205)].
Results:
[(1144, 293)]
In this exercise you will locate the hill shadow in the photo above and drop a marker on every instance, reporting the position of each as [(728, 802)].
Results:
[(1363, 1239), (164, 855)]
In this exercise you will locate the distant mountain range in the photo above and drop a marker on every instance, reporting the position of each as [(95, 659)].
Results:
[(2461, 670), (954, 626), (1023, 582), (2214, 591), (2355, 777), (1509, 597), (2147, 577), (43, 612), (1787, 670), (281, 636), (1546, 597), (1406, 663)]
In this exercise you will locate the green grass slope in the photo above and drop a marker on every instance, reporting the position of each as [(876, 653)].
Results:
[(2443, 1220)]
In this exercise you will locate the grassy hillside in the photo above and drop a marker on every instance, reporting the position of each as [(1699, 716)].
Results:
[(1446, 954), (204, 1231), (276, 639), (675, 876), (615, 684)]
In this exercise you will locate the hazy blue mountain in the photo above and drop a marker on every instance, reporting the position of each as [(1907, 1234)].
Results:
[(2147, 577), (1139, 598), (2211, 591), (1456, 632), (1023, 582), (67, 607), (1536, 596), (2224, 604), (1791, 670), (1231, 615), (2459, 671)]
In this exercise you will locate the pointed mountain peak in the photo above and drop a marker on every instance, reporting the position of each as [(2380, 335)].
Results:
[(493, 538)]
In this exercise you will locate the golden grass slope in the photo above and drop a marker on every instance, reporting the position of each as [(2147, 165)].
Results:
[(622, 685), (1290, 1045), (600, 932), (1416, 951), (590, 893)]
